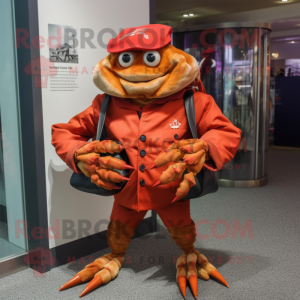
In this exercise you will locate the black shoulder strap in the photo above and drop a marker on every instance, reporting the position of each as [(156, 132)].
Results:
[(102, 116), (190, 111)]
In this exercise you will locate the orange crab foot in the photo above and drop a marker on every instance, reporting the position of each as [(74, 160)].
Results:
[(206, 270), (101, 271), (194, 265)]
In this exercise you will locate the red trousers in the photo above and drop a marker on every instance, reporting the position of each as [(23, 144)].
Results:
[(175, 214)]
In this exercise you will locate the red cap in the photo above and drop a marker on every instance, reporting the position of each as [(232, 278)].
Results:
[(208, 52), (147, 37)]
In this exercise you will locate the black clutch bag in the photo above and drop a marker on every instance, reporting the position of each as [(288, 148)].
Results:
[(206, 180)]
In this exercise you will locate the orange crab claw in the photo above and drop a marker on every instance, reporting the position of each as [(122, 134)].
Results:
[(128, 167), (157, 183), (97, 281), (125, 178), (175, 199), (216, 275), (117, 187), (72, 282), (152, 167), (194, 285), (182, 285)]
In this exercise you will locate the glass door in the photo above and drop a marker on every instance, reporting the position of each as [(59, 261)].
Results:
[(12, 240)]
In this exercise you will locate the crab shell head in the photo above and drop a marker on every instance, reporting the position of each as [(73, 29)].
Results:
[(146, 74)]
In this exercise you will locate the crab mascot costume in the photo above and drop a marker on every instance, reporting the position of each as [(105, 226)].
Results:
[(146, 78)]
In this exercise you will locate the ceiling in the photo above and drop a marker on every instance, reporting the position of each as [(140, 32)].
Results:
[(171, 11), (286, 24)]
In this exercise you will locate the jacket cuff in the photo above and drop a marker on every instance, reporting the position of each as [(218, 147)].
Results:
[(70, 161), (210, 165), (215, 156)]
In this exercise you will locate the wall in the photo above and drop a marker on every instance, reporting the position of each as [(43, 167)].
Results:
[(286, 50), (65, 203)]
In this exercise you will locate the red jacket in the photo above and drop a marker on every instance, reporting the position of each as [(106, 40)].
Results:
[(124, 124)]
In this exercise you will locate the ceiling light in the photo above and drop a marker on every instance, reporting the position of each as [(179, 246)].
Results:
[(191, 15), (185, 15), (275, 54), (292, 42), (284, 0)]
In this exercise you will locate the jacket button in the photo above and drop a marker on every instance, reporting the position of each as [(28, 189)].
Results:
[(142, 182), (142, 168), (143, 138), (142, 153), (176, 136)]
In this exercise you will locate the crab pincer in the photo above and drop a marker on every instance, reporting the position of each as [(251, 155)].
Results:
[(168, 155), (172, 154), (112, 163), (110, 175), (108, 185), (195, 147), (89, 158), (195, 161), (182, 143), (185, 185), (105, 146), (108, 146), (172, 173)]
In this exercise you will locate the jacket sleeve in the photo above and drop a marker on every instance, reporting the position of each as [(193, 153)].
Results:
[(220, 134), (68, 137)]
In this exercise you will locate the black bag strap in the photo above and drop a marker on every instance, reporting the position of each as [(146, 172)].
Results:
[(102, 116), (190, 112)]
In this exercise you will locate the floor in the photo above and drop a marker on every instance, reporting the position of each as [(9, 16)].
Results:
[(261, 263)]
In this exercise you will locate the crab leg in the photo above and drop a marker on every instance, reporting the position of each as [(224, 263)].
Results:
[(182, 143), (105, 146), (199, 158), (185, 185), (88, 272), (167, 156), (192, 273), (112, 163), (186, 270), (195, 147), (172, 153), (109, 272), (181, 274), (108, 185), (110, 175), (206, 270), (89, 158), (173, 172)]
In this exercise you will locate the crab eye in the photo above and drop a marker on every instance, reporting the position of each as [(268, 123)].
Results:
[(126, 59), (152, 58)]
